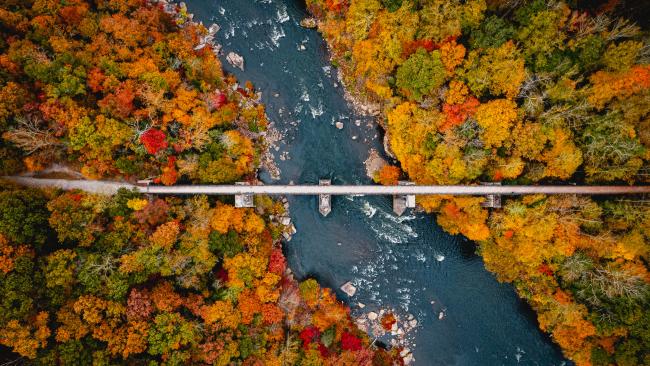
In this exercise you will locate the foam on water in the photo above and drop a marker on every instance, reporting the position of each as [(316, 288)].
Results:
[(305, 94), (230, 32), (520, 352), (316, 111), (281, 14), (276, 33), (351, 197)]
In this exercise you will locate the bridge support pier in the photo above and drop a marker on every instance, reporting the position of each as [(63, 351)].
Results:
[(244, 200), (324, 200), (402, 202), (491, 200)]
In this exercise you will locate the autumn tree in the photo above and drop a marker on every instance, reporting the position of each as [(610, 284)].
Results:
[(499, 71), (23, 216), (421, 74)]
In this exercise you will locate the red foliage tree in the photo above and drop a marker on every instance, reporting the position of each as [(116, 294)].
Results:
[(217, 100), (277, 263), (169, 173), (336, 5), (545, 269), (350, 342), (154, 213), (309, 335), (388, 175), (119, 103), (139, 305), (154, 140), (324, 352), (409, 48), (458, 113), (95, 80)]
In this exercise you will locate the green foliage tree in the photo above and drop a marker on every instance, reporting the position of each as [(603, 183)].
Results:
[(493, 32), (421, 74), (170, 333), (391, 5), (23, 217), (610, 151)]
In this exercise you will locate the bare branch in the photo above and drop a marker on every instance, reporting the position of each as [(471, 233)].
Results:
[(30, 135), (623, 28)]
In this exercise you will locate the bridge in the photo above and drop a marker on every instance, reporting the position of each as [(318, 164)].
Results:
[(403, 194)]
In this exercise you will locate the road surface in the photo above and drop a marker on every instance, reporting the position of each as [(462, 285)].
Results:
[(106, 187)]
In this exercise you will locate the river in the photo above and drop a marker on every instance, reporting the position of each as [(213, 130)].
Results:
[(406, 263)]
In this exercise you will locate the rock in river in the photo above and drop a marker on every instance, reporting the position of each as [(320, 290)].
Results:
[(349, 288), (235, 60)]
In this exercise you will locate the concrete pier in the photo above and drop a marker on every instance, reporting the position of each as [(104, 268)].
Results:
[(244, 200), (324, 200), (403, 201)]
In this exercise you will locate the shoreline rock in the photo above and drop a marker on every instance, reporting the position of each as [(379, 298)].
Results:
[(309, 23), (374, 163)]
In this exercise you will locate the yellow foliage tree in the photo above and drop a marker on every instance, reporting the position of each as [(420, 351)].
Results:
[(496, 118)]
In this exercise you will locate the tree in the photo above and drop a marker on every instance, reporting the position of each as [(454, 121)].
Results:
[(72, 215), (360, 16), (542, 35), (154, 140), (30, 135), (60, 269), (563, 157), (421, 74), (496, 118), (439, 20), (26, 339), (170, 333), (622, 56), (497, 70), (388, 175), (611, 149), (166, 235), (391, 5), (493, 32), (618, 85), (464, 215), (23, 217)]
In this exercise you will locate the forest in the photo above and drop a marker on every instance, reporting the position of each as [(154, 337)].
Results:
[(520, 92), (99, 280), (126, 90)]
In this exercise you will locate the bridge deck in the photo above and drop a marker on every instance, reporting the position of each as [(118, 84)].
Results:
[(112, 187)]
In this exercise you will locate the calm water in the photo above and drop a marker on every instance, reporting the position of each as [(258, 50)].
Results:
[(391, 260)]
